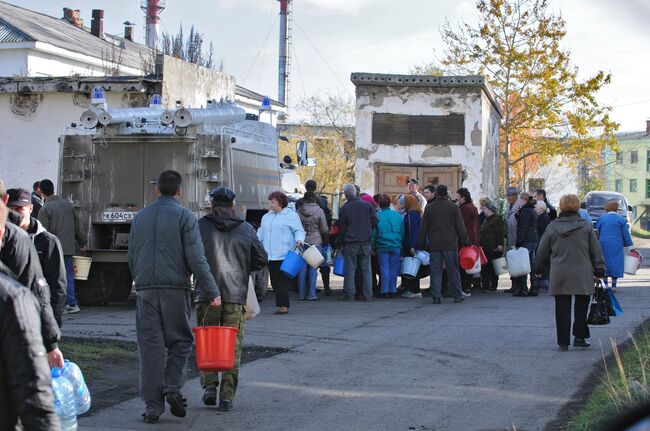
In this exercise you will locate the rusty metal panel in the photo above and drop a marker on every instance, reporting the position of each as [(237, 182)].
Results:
[(398, 129), (392, 179)]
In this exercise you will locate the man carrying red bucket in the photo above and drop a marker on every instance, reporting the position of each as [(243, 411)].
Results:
[(233, 253)]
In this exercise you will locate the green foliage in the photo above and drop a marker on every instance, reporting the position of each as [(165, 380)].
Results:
[(624, 386), (547, 109), (432, 69)]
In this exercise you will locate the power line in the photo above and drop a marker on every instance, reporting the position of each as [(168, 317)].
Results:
[(321, 56), (302, 83), (266, 39), (632, 103)]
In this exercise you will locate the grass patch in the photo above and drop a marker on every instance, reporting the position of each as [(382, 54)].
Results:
[(624, 385), (95, 355), (640, 233)]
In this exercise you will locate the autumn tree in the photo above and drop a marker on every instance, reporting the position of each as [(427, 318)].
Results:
[(327, 131), (547, 109)]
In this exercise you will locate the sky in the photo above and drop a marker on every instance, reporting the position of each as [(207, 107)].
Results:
[(333, 38)]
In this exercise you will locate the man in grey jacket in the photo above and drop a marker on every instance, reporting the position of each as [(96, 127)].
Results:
[(165, 248), (58, 217), (514, 205), (233, 253)]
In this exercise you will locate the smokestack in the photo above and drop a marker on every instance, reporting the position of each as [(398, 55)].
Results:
[(128, 30), (152, 8), (97, 24), (283, 52), (73, 17)]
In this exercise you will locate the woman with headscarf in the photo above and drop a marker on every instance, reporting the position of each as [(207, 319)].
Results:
[(492, 237), (411, 223), (614, 236)]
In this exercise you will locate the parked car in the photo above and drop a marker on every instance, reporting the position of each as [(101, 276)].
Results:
[(595, 201)]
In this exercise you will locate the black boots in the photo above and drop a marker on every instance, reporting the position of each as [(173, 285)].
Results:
[(581, 342)]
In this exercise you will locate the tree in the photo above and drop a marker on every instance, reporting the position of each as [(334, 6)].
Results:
[(433, 69), (547, 109), (327, 130), (190, 49)]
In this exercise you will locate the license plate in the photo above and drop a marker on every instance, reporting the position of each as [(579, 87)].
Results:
[(119, 216)]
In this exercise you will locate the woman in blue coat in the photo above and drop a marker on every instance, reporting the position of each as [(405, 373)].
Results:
[(614, 236), (412, 220)]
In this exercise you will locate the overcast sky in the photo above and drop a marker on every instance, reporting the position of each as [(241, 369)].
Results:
[(333, 38)]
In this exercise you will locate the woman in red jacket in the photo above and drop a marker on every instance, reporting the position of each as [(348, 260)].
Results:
[(470, 217)]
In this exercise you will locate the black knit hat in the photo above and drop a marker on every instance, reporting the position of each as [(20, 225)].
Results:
[(222, 196)]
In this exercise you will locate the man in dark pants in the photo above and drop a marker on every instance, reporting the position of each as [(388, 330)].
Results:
[(441, 230), (233, 252), (165, 248), (356, 221), (50, 254)]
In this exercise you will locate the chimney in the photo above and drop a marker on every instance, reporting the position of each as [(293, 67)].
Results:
[(97, 24), (128, 30), (73, 17)]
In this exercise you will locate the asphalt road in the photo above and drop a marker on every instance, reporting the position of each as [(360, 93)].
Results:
[(490, 363)]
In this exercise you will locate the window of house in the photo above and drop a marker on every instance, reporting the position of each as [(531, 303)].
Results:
[(618, 186), (632, 186), (647, 189), (647, 162), (619, 158), (398, 129), (634, 157)]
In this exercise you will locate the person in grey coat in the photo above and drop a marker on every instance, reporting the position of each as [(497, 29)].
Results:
[(573, 251), (165, 248), (59, 218)]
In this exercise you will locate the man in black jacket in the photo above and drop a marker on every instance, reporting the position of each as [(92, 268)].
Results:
[(441, 230), (357, 218), (20, 262), (233, 253), (527, 238), (50, 254)]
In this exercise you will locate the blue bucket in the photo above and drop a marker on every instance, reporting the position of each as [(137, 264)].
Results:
[(339, 266), (410, 267), (422, 256), (292, 264)]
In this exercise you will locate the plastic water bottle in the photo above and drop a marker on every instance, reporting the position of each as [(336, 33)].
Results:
[(72, 372), (64, 400)]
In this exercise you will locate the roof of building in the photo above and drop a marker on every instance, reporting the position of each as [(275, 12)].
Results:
[(250, 94), (18, 24), (631, 136), (390, 80)]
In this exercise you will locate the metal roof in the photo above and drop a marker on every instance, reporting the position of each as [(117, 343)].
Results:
[(245, 92), (47, 29), (9, 34)]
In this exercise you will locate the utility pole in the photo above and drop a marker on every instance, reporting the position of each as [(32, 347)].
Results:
[(284, 57)]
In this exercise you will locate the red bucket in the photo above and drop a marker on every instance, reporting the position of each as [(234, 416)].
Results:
[(215, 347), (468, 257)]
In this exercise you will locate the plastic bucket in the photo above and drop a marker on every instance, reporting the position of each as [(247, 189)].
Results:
[(632, 262), (500, 266), (410, 267), (215, 347), (468, 257), (339, 266), (476, 269), (81, 267), (292, 264), (518, 262), (313, 257), (422, 256)]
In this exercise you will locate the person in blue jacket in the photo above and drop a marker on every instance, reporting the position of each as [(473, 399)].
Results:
[(412, 221), (387, 244), (614, 236), (280, 231)]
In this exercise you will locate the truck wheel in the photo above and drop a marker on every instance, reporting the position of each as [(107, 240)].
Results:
[(92, 292), (107, 281), (119, 281)]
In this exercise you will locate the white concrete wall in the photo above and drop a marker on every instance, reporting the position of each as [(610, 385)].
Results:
[(46, 64), (13, 62), (561, 179), (29, 145), (475, 157)]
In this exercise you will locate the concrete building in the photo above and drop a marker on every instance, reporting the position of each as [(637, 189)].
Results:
[(440, 130), (627, 171), (50, 66)]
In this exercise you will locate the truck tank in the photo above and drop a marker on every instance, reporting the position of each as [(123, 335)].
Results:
[(109, 172)]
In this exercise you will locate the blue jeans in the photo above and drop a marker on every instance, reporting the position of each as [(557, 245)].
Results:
[(389, 267), (357, 255), (307, 279), (450, 257), (71, 297)]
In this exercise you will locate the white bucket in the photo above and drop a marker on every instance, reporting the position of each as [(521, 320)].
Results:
[(81, 267), (500, 266), (422, 256), (313, 257), (476, 269), (632, 264), (518, 262), (410, 267)]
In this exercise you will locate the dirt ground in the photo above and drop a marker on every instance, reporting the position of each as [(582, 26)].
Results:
[(110, 367)]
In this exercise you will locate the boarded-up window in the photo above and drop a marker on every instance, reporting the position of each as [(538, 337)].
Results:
[(397, 129)]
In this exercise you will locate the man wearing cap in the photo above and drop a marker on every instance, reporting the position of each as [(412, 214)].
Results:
[(514, 205), (413, 187), (59, 218), (50, 254), (233, 253), (165, 248)]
